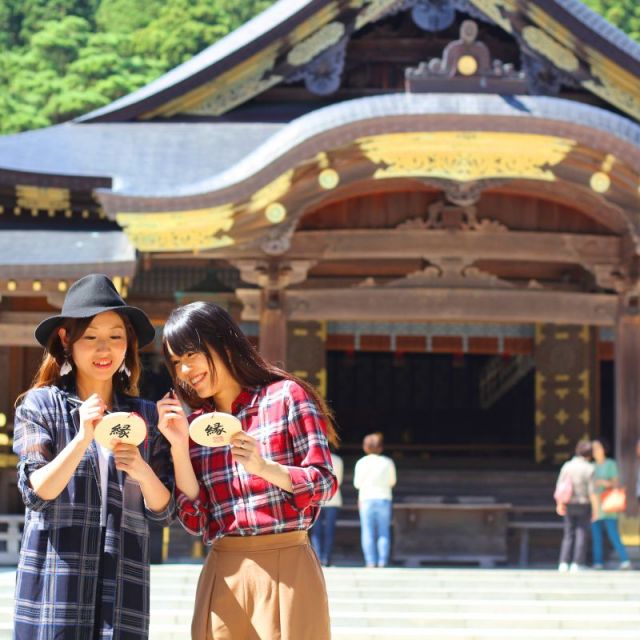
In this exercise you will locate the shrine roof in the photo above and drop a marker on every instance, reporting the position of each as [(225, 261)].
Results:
[(64, 254), (289, 35), (138, 158), (304, 130), (181, 159)]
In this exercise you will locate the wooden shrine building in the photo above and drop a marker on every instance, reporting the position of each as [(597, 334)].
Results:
[(429, 209)]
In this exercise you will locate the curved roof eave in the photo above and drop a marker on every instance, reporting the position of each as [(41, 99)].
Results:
[(341, 114), (243, 37), (281, 17)]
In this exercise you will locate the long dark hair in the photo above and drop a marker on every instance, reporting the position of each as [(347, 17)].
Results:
[(200, 326), (48, 373)]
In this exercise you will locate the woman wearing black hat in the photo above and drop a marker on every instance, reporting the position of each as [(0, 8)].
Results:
[(84, 561)]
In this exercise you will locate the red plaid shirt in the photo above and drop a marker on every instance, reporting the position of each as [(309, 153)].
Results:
[(291, 431)]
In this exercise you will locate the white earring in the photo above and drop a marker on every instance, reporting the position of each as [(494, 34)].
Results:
[(66, 367), (124, 369)]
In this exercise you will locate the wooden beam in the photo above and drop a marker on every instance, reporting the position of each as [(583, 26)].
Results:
[(464, 305), (17, 335), (389, 244)]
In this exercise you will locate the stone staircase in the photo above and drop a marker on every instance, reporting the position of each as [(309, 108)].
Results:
[(462, 604)]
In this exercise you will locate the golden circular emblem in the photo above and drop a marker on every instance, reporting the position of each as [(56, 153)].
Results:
[(12, 285), (62, 285), (600, 182), (3, 420), (467, 65), (328, 178), (275, 212)]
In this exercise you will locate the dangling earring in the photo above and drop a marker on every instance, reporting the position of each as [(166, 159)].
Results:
[(124, 369), (66, 367)]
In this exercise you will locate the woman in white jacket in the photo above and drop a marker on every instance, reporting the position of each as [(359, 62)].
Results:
[(374, 477)]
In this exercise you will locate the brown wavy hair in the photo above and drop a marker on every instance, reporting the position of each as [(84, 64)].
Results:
[(48, 373), (200, 326)]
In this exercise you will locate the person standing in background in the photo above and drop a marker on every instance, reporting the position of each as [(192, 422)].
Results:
[(323, 531), (374, 477), (578, 473), (605, 477)]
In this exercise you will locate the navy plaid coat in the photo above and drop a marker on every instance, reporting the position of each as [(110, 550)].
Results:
[(56, 580)]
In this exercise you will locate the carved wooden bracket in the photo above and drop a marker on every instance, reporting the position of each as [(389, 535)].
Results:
[(609, 276), (450, 216), (451, 273), (466, 61), (273, 274)]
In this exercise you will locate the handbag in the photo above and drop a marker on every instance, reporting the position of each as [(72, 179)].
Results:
[(564, 490), (614, 500)]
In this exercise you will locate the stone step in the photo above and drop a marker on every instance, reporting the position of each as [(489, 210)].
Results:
[(394, 604)]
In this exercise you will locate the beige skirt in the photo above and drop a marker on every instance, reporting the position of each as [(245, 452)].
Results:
[(267, 587)]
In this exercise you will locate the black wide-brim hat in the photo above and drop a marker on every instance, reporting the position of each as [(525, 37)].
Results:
[(90, 296)]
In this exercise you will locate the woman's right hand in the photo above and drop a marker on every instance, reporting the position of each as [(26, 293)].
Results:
[(172, 421), (91, 411)]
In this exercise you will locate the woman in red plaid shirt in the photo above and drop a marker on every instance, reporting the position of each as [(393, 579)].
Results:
[(253, 501)]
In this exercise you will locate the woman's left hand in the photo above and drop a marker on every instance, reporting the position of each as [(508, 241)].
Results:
[(128, 458), (246, 450)]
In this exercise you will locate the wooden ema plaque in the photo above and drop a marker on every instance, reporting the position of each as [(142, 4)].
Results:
[(214, 429), (120, 426)]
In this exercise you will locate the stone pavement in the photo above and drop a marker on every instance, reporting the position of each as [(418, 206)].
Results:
[(461, 604)]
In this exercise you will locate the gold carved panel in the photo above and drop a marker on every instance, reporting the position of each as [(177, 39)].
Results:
[(466, 155)]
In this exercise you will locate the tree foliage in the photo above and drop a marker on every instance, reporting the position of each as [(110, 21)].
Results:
[(624, 14), (61, 58)]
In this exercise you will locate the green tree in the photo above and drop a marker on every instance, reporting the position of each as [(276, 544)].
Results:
[(624, 14)]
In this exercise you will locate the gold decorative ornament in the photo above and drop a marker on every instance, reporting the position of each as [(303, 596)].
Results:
[(497, 10), (467, 65), (62, 285), (276, 212), (614, 88), (68, 213), (36, 285), (85, 214), (465, 155), (600, 182), (309, 48), (17, 211), (551, 49), (12, 285), (372, 11), (271, 192), (608, 162), (232, 88), (179, 230), (3, 420), (47, 198), (328, 179)]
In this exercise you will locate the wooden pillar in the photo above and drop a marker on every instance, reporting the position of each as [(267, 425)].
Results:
[(627, 399), (565, 357), (273, 327), (307, 354)]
